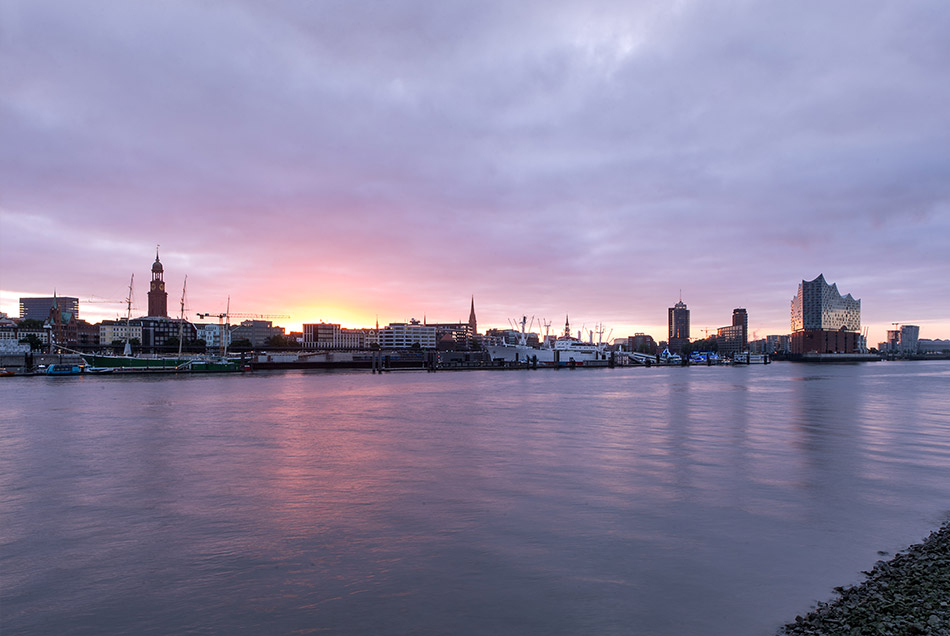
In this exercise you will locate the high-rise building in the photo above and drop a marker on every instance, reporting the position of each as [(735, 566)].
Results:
[(39, 308), (157, 296), (909, 338), (679, 327), (740, 318), (824, 321)]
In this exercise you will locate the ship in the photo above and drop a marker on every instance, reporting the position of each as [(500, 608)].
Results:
[(750, 358), (566, 350), (98, 363), (128, 363)]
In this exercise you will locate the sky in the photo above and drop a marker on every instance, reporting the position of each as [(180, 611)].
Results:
[(348, 161)]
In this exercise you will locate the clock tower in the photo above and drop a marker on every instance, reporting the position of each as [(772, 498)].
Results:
[(157, 296)]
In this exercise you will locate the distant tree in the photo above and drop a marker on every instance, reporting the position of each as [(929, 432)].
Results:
[(30, 323), (241, 344), (706, 344), (281, 341), (33, 340)]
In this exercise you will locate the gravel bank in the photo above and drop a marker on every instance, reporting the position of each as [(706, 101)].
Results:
[(910, 594)]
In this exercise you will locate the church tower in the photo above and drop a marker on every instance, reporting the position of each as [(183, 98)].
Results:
[(157, 296), (471, 318)]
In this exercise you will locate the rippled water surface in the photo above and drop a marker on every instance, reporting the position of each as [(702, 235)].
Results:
[(615, 501)]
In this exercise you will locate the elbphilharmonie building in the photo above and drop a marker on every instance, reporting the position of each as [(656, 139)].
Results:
[(823, 320)]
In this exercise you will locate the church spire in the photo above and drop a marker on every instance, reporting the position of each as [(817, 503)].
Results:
[(471, 318)]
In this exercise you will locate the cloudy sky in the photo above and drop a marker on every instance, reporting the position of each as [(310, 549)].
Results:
[(345, 160)]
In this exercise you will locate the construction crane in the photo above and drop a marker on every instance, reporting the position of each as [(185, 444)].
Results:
[(260, 316), (223, 320)]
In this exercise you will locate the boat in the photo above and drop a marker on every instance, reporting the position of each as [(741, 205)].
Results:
[(4, 372), (750, 358), (66, 368), (129, 363), (668, 357), (705, 357), (99, 370)]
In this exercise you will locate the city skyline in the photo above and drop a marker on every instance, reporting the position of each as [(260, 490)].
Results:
[(595, 160)]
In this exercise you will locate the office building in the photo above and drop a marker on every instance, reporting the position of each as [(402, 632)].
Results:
[(257, 332), (407, 335), (324, 336), (909, 338), (679, 327), (40, 308)]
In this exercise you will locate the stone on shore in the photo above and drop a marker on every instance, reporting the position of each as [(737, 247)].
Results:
[(910, 594)]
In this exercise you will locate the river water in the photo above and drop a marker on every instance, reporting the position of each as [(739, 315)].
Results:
[(663, 501)]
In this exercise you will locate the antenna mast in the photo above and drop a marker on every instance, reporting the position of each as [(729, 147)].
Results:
[(181, 318), (127, 351)]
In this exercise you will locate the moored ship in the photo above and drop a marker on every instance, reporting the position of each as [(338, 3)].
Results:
[(566, 351), (159, 364)]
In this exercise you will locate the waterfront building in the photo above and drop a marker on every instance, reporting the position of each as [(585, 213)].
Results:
[(678, 327), (157, 296), (39, 308), (778, 344), (740, 318), (324, 336), (453, 335), (905, 339), (642, 343), (257, 332), (87, 335), (213, 335), (824, 321), (926, 345), (909, 338), (407, 335), (892, 342), (729, 340), (156, 333), (114, 332), (734, 338), (9, 339), (456, 335), (513, 336)]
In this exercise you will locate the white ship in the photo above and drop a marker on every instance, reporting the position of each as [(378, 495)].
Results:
[(566, 351), (750, 358)]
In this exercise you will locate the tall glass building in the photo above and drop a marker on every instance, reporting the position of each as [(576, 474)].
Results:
[(823, 320), (39, 308), (818, 305), (679, 327)]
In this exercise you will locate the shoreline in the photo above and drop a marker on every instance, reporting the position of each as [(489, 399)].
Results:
[(909, 594)]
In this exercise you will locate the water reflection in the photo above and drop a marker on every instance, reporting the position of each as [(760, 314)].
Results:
[(660, 501)]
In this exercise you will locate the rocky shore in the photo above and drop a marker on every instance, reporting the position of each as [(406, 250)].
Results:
[(910, 594)]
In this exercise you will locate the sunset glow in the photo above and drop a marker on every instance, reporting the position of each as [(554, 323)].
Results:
[(348, 162)]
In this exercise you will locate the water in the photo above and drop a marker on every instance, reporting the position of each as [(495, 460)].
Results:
[(624, 501)]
